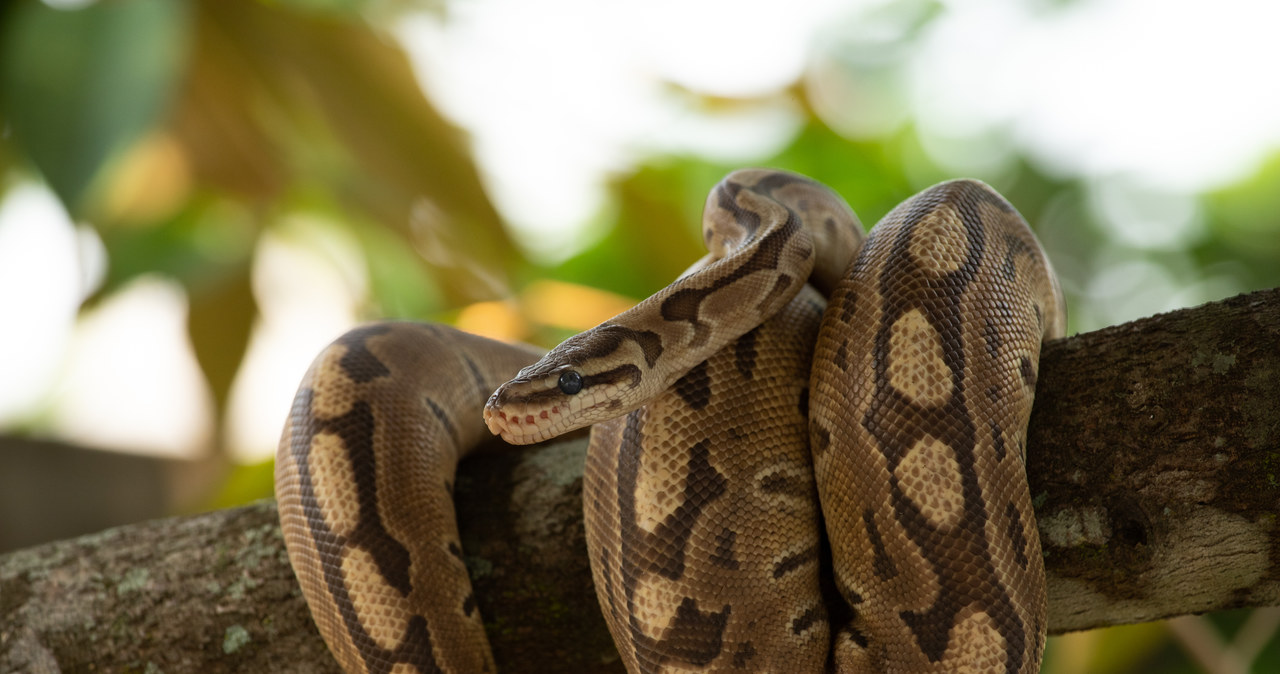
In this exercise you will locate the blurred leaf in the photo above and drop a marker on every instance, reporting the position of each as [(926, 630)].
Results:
[(207, 248), (200, 243), (351, 113), (219, 322), (657, 233), (217, 119), (399, 284), (1244, 216), (1112, 650), (347, 8), (8, 153), (79, 86), (245, 484), (870, 175)]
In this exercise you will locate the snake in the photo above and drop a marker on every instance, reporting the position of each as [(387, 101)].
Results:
[(807, 452)]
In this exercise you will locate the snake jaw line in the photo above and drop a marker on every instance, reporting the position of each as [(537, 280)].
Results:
[(526, 417)]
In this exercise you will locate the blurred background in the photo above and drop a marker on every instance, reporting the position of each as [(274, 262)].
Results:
[(195, 197)]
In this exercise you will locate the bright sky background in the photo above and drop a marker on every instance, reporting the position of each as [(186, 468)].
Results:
[(1151, 101), (1149, 88)]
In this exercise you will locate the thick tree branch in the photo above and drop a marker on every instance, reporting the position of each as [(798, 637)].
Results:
[(1154, 463)]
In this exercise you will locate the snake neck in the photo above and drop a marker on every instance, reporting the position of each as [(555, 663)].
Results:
[(768, 233)]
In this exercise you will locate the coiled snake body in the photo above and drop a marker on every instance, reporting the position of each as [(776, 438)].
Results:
[(740, 424)]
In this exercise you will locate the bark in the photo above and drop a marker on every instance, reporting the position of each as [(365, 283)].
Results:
[(1154, 465)]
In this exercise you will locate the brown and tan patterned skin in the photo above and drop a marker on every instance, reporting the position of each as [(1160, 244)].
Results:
[(364, 482), (918, 433), (704, 532), (702, 504)]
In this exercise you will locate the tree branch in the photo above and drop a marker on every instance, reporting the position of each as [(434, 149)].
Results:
[(1154, 464)]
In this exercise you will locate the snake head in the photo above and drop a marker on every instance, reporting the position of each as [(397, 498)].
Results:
[(597, 375)]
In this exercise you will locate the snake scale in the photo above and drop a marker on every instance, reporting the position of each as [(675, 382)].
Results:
[(801, 410)]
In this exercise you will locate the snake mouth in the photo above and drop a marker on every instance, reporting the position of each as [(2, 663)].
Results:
[(525, 428)]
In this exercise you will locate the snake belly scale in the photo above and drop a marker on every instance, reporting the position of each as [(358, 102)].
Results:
[(800, 411)]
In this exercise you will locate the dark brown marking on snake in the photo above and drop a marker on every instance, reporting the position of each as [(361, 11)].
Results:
[(848, 305), (856, 636), (991, 337), (355, 430), (684, 304), (483, 388), (819, 438), (1015, 247), (626, 372), (932, 627), (997, 440), (455, 550), (808, 619), (469, 604), (744, 353), (774, 181), (1028, 372), (604, 339), (781, 287), (359, 363), (724, 555), (727, 199), (694, 636), (598, 342), (794, 561), (667, 543), (551, 395), (881, 563), (841, 360), (1015, 535), (443, 418), (993, 393), (694, 388), (897, 423), (777, 483), (829, 223), (742, 656)]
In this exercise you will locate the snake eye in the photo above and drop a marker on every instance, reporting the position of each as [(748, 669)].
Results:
[(570, 382)]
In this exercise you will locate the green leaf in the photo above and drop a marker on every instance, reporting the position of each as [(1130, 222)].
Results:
[(78, 87), (244, 484)]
